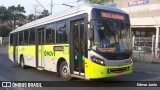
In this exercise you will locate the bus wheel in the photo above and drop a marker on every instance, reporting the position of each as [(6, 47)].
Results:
[(64, 71), (22, 62)]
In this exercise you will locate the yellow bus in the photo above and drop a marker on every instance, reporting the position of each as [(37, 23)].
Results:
[(88, 41)]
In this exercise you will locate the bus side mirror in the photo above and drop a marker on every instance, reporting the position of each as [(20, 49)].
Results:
[(90, 37), (90, 32)]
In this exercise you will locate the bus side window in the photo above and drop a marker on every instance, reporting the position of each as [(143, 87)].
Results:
[(50, 34), (61, 33), (20, 38), (11, 39), (32, 37), (26, 34)]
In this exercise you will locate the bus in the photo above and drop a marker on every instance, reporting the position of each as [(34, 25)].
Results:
[(70, 43)]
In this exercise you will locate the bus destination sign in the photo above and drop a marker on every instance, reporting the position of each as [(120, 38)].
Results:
[(111, 15)]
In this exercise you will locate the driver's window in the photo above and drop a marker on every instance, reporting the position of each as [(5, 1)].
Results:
[(112, 40), (101, 32)]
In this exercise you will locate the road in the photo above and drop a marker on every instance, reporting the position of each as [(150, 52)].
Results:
[(10, 71)]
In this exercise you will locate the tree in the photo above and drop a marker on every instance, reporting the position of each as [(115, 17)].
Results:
[(31, 17), (3, 14), (96, 1), (10, 17), (44, 13), (4, 31), (16, 15)]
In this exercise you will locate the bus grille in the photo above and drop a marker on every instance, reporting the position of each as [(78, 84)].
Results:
[(118, 57), (113, 70)]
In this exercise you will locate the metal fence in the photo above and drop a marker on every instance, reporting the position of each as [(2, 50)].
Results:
[(144, 50)]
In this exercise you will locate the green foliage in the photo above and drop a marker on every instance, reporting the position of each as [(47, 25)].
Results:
[(10, 17), (4, 31), (96, 1), (3, 13), (31, 17), (16, 15), (43, 14)]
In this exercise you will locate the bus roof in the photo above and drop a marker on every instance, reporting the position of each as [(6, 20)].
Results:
[(85, 8)]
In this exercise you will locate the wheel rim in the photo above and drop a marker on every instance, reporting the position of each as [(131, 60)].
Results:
[(65, 71)]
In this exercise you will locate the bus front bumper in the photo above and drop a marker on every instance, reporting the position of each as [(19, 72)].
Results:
[(96, 71)]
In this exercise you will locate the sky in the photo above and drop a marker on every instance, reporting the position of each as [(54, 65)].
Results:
[(30, 4)]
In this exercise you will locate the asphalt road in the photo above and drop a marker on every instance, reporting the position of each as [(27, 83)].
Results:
[(10, 71)]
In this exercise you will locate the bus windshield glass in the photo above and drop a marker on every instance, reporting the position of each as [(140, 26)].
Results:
[(111, 36)]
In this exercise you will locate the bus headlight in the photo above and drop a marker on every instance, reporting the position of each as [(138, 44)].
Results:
[(97, 60)]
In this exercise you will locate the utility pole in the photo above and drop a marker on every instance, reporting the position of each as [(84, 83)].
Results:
[(51, 6), (35, 7), (14, 21)]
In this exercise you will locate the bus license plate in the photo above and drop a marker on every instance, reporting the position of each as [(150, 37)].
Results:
[(119, 73)]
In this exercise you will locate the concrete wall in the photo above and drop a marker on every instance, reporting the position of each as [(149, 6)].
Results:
[(4, 41), (151, 9), (124, 3), (0, 40)]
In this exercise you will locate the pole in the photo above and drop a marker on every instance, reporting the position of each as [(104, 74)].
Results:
[(157, 36), (153, 52), (157, 40), (51, 6), (133, 41), (35, 11)]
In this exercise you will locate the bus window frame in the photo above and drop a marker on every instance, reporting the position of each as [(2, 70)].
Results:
[(19, 33), (66, 29), (53, 26), (36, 31), (33, 29), (27, 37), (11, 39)]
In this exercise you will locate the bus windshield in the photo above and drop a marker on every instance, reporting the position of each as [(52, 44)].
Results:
[(111, 36)]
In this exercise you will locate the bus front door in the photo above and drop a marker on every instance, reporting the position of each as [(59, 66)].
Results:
[(77, 47), (40, 47), (15, 47)]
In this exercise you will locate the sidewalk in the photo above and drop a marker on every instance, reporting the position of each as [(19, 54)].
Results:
[(146, 68)]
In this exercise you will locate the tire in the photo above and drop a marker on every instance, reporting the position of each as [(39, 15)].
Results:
[(22, 64), (64, 71)]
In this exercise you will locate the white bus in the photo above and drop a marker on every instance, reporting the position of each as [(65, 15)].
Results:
[(71, 43)]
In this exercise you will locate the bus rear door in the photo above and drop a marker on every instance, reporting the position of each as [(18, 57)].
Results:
[(15, 47), (40, 48)]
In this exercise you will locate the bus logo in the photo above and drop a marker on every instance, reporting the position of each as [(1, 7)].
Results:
[(137, 2), (48, 53)]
